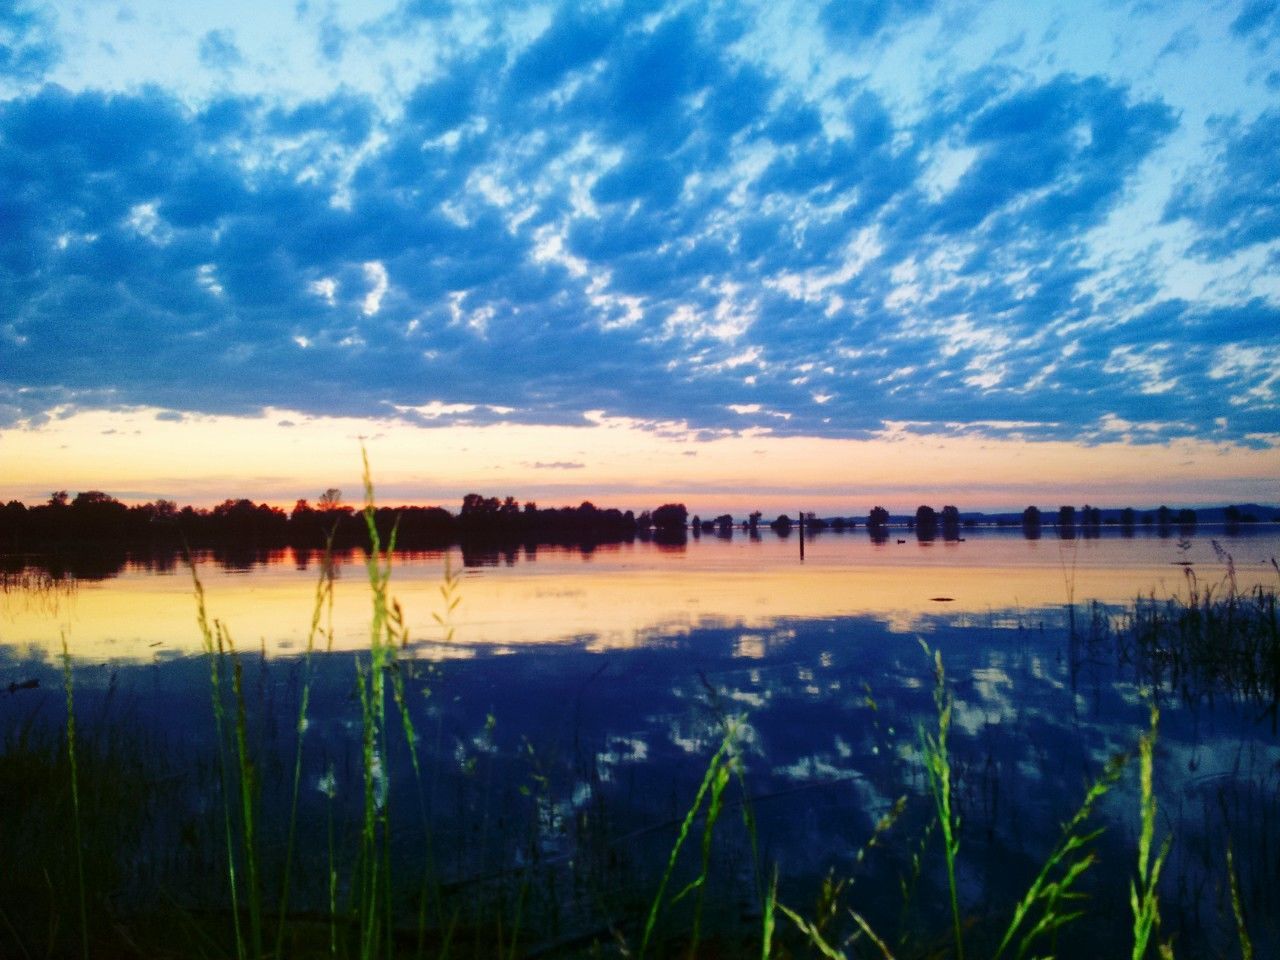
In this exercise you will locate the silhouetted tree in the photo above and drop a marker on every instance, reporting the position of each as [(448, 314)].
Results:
[(1067, 522), (670, 515), (926, 523), (94, 515), (162, 509), (475, 505), (1127, 517), (1031, 523), (878, 524), (1091, 521), (13, 516), (950, 523)]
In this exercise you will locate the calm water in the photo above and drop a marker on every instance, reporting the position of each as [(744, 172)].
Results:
[(626, 595), (580, 695)]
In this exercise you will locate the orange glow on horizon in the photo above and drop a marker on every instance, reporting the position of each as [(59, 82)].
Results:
[(279, 457)]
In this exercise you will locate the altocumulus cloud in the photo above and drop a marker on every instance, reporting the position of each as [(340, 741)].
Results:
[(734, 217), (27, 48)]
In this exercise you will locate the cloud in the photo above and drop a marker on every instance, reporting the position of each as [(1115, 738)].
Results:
[(848, 23), (574, 39), (1259, 20), (1233, 201), (27, 47), (1062, 151), (218, 50), (629, 211)]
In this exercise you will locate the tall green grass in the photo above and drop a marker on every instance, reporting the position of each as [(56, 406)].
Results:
[(1053, 900), (379, 678), (230, 780), (1214, 638), (710, 794), (323, 601), (68, 687), (937, 764), (1143, 898)]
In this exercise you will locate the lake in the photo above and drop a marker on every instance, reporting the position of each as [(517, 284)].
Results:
[(565, 710), (624, 595)]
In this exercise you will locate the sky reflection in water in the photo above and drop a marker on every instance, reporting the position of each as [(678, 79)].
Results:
[(624, 595), (611, 676)]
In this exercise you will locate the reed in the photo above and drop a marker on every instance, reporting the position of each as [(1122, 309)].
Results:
[(768, 920), (1143, 898), (1237, 907), (68, 686), (714, 780), (323, 598), (36, 589), (212, 638), (1216, 638), (1053, 899), (937, 765), (247, 781), (829, 899)]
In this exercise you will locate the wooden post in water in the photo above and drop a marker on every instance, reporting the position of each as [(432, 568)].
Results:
[(802, 536)]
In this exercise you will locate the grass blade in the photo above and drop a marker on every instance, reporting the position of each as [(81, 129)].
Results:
[(1143, 899), (709, 778), (938, 767), (1237, 907), (75, 793)]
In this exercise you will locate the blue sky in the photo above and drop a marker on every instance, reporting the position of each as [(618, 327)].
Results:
[(1036, 222)]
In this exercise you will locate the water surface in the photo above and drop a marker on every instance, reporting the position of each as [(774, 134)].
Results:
[(571, 701), (622, 595)]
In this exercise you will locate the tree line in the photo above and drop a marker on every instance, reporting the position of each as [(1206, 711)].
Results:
[(94, 517), (1089, 522)]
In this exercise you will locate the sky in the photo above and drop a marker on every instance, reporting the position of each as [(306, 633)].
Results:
[(747, 255)]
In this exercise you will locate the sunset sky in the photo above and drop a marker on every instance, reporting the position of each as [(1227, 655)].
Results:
[(775, 255)]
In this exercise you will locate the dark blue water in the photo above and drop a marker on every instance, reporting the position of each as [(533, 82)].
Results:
[(567, 771)]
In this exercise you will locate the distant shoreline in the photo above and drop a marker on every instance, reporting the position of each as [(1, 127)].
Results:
[(94, 518), (97, 537)]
